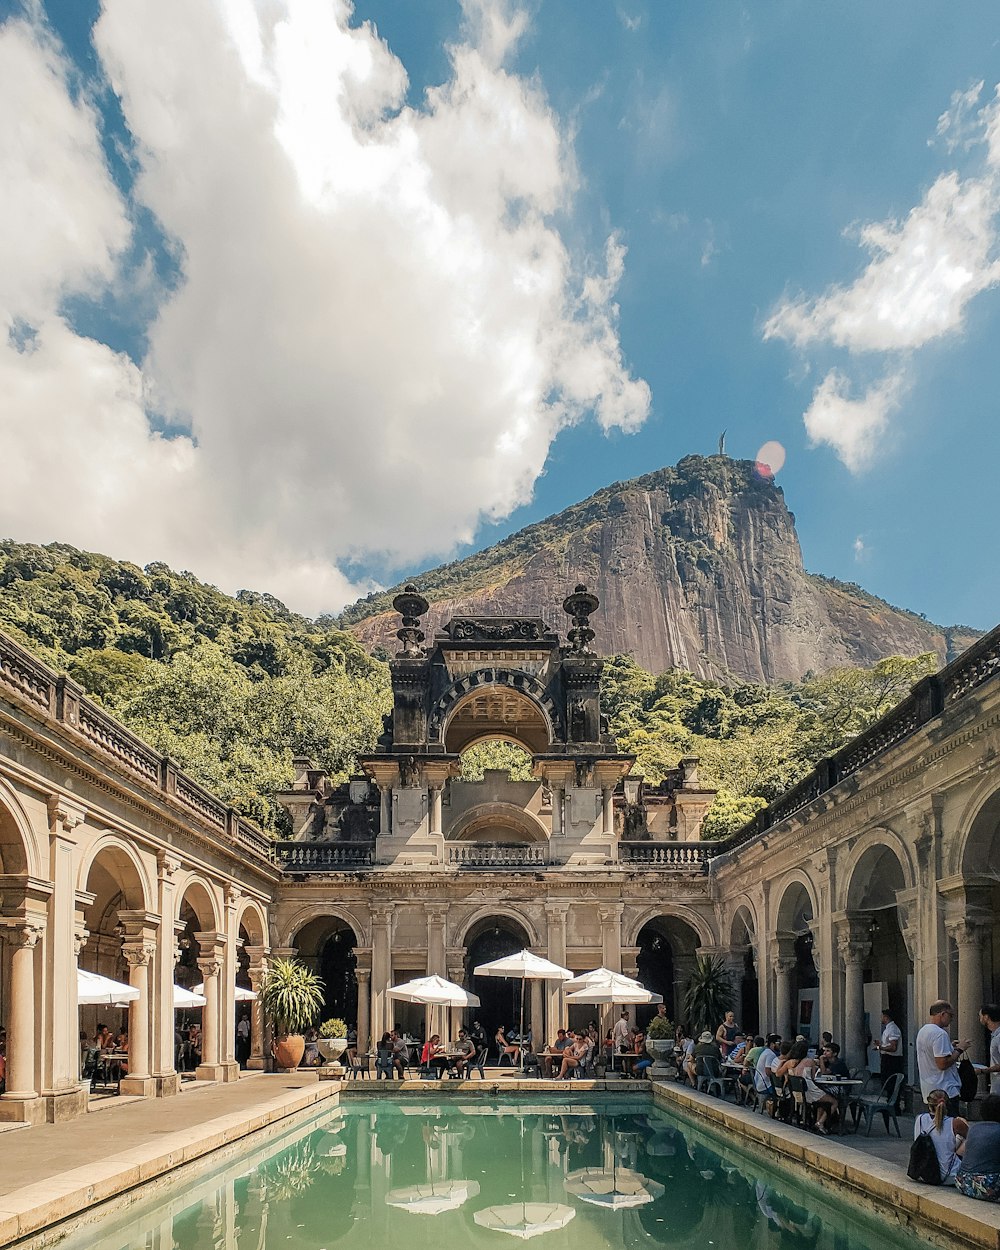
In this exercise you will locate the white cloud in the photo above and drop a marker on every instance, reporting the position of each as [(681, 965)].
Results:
[(852, 427), (378, 330), (923, 273), (860, 549)]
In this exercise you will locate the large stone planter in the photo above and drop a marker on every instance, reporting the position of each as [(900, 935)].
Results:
[(288, 1051), (661, 1051), (331, 1048)]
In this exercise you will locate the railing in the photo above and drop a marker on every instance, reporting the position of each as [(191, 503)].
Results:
[(685, 855), (59, 698), (324, 856), (928, 699), (496, 855)]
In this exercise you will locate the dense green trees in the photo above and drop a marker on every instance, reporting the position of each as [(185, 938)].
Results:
[(233, 688)]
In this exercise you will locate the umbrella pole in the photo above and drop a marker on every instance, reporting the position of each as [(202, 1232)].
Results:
[(520, 1031)]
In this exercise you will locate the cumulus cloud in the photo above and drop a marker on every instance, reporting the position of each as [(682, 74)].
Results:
[(923, 272), (377, 330), (852, 427)]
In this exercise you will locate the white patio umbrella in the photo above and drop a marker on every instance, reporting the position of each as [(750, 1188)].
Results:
[(242, 995), (586, 979), (433, 1197), (187, 998), (525, 1219), (433, 991), (617, 990), (93, 990), (614, 1188), (523, 966)]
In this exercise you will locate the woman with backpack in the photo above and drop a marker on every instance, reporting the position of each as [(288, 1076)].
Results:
[(945, 1133)]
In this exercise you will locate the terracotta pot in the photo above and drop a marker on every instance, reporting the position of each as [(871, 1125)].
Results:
[(288, 1051)]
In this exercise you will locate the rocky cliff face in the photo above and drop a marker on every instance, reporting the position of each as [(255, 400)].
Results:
[(697, 567)]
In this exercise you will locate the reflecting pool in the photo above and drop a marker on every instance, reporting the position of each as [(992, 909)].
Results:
[(415, 1175)]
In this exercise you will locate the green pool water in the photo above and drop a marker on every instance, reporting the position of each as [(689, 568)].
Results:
[(430, 1176)]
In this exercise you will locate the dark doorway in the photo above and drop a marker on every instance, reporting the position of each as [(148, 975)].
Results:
[(337, 964), (500, 997), (655, 966), (750, 999)]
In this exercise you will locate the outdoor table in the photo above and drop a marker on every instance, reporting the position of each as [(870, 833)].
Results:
[(842, 1088), (109, 1068)]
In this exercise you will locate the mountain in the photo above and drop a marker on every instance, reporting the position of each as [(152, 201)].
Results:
[(697, 567)]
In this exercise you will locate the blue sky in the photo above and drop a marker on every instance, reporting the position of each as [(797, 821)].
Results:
[(309, 306)]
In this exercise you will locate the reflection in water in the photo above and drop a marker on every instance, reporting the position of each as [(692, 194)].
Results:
[(577, 1175)]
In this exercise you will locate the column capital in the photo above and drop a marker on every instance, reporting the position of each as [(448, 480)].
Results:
[(381, 913), (968, 931), (21, 933), (557, 911), (784, 965), (854, 939), (210, 967), (138, 954), (436, 913), (231, 893), (168, 865), (610, 911), (80, 938), (362, 975)]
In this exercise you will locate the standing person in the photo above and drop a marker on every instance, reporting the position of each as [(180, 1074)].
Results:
[(890, 1046), (989, 1015), (938, 1056), (622, 1032), (243, 1040), (726, 1033)]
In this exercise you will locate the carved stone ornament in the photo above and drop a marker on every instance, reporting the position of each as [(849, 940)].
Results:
[(209, 967), (411, 605), (136, 954), (497, 629), (581, 605), (25, 936), (80, 939)]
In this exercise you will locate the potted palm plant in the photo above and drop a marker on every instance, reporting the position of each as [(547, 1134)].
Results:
[(709, 995), (290, 998)]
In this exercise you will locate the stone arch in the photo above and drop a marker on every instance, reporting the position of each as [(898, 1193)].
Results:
[(18, 848), (473, 924), (199, 895), (876, 869), (119, 851), (978, 844), (742, 926), (253, 919), (744, 945), (536, 734), (315, 911), (688, 915), (484, 822), (791, 915)]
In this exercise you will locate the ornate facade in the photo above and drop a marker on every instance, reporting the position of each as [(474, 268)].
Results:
[(878, 871)]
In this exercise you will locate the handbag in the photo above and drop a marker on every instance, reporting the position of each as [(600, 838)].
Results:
[(969, 1078)]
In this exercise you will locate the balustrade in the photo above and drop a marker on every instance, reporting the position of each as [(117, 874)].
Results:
[(324, 856)]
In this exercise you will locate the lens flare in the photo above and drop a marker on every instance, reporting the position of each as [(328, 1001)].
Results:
[(770, 459)]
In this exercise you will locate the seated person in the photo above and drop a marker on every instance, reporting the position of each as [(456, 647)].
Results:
[(400, 1053), (465, 1052), (738, 1049), (430, 1057), (383, 1056), (705, 1048), (830, 1062), (505, 1048), (946, 1132), (608, 1046), (640, 1065), (979, 1172), (530, 1062), (799, 1064), (572, 1055), (558, 1046)]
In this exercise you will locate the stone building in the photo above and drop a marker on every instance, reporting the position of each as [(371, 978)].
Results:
[(872, 882)]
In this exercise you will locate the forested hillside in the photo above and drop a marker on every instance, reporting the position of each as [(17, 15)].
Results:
[(233, 688)]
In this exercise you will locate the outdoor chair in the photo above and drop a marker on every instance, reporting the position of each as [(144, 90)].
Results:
[(802, 1111), (383, 1065), (477, 1064), (885, 1104), (717, 1083), (359, 1065)]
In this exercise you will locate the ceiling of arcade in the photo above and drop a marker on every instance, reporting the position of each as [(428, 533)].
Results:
[(497, 712)]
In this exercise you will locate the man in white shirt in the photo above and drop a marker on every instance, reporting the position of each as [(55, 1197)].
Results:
[(989, 1015), (890, 1046), (938, 1056), (622, 1031), (762, 1079)]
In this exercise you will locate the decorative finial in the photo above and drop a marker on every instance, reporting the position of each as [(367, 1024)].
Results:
[(580, 605), (411, 605)]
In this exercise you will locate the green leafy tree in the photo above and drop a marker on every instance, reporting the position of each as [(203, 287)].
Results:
[(709, 994)]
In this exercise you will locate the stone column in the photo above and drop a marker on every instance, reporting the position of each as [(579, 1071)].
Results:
[(784, 965), (257, 971), (138, 954), (227, 983), (435, 809), (854, 944), (969, 935), (363, 977), (558, 804), (381, 964), (610, 916), (536, 1017), (64, 1095), (22, 936), (556, 914), (456, 974), (211, 961), (165, 1075), (385, 811), (607, 810)]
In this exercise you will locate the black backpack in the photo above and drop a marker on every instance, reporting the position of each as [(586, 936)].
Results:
[(969, 1077), (923, 1165)]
